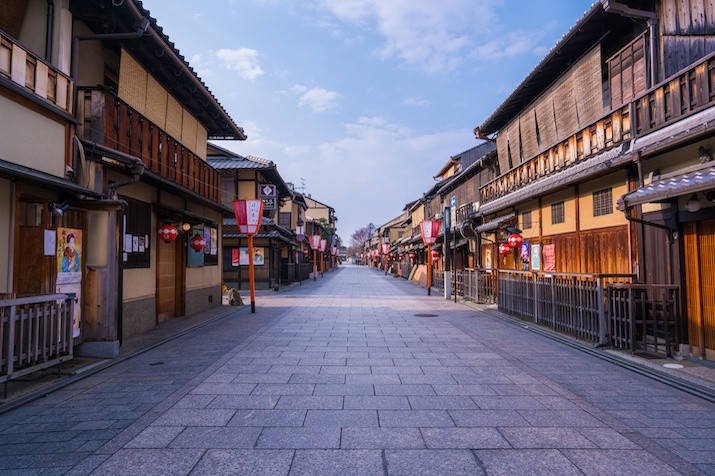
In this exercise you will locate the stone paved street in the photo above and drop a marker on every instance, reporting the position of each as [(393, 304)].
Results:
[(342, 377)]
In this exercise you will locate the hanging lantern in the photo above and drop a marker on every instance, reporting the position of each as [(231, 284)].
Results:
[(412, 256), (385, 248), (435, 255), (429, 230), (515, 241), (168, 233), (305, 252), (197, 243), (504, 249)]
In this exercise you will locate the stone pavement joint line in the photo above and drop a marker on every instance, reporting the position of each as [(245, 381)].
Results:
[(347, 379)]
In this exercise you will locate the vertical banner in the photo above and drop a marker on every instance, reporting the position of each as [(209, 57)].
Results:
[(524, 252), (69, 270), (535, 257), (550, 257)]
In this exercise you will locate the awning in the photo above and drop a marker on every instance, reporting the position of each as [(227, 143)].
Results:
[(274, 235), (593, 166), (496, 223), (44, 179), (694, 179)]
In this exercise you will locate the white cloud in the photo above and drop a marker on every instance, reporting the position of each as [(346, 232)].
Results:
[(369, 173), (509, 46), (317, 99), (243, 61), (416, 102), (431, 36)]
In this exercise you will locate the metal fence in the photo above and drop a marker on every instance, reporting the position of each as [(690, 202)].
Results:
[(477, 285), (35, 333), (644, 317)]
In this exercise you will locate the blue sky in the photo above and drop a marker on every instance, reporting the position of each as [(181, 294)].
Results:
[(364, 100)]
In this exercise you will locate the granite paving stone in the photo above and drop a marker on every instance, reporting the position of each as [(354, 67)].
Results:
[(340, 376)]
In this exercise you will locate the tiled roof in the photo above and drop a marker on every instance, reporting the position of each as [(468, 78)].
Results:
[(695, 179), (226, 163)]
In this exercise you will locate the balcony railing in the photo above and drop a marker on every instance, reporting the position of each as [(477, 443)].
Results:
[(681, 95), (34, 74), (111, 122)]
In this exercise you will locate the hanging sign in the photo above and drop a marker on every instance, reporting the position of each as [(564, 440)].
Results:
[(268, 195)]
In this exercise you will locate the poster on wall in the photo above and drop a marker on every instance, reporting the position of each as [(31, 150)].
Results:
[(195, 258), (214, 241), (535, 257), (258, 256), (524, 253), (550, 257), (488, 258), (234, 257), (69, 270), (69, 255)]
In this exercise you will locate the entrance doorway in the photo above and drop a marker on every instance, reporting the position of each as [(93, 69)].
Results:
[(699, 249), (169, 279)]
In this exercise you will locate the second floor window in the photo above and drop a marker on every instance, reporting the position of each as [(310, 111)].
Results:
[(603, 202), (526, 221), (558, 213), (284, 219)]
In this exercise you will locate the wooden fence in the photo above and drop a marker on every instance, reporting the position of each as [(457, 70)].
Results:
[(35, 333), (644, 317)]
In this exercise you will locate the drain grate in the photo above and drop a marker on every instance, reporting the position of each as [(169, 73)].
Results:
[(157, 363), (426, 315)]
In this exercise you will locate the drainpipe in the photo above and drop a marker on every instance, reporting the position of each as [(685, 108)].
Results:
[(48, 38), (650, 18)]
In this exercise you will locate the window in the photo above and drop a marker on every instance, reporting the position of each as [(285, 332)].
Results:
[(526, 221), (284, 219), (603, 202), (558, 213), (137, 231)]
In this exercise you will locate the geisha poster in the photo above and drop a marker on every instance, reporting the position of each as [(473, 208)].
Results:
[(69, 255), (69, 270)]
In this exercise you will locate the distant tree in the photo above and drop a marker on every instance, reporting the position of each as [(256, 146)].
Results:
[(361, 236)]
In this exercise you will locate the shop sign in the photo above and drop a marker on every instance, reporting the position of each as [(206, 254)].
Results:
[(195, 257), (269, 203)]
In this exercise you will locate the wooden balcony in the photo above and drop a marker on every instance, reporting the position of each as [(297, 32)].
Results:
[(34, 75), (109, 121), (682, 95)]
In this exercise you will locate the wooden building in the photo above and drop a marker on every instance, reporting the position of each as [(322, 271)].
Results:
[(105, 142), (244, 178), (618, 112)]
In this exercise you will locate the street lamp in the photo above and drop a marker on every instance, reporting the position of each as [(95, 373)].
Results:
[(323, 243), (385, 251), (429, 230), (248, 218), (314, 241)]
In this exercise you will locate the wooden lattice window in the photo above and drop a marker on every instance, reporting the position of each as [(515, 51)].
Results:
[(603, 202), (526, 221), (558, 213), (137, 233)]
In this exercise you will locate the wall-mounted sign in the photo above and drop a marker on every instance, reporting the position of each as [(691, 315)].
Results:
[(535, 257), (269, 203), (69, 270), (268, 190)]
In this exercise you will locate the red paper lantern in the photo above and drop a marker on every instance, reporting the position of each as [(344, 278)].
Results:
[(429, 230), (197, 243), (168, 233), (515, 241), (412, 256), (504, 249), (435, 255)]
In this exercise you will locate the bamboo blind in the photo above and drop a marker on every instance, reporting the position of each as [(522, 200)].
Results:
[(132, 82), (201, 138), (156, 98), (174, 116), (188, 130), (527, 125), (502, 151), (565, 108), (588, 89), (545, 119), (514, 141)]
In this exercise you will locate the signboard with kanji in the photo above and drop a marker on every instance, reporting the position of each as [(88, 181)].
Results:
[(268, 190)]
